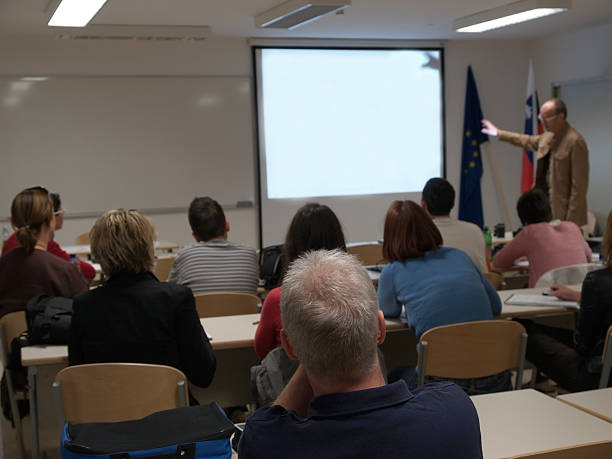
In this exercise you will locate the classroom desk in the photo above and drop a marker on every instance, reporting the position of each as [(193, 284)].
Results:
[(509, 310), (597, 402), (84, 250), (527, 421)]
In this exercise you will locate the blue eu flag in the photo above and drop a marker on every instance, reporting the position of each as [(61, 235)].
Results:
[(470, 199)]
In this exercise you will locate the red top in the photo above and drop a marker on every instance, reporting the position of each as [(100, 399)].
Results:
[(267, 336), (53, 247)]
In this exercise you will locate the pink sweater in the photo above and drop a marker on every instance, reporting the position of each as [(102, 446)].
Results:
[(547, 246)]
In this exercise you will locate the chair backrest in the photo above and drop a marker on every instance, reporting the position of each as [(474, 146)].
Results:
[(82, 239), (163, 266), (472, 350), (226, 304), (606, 360), (567, 275), (496, 279), (111, 392), (596, 450), (11, 326), (367, 254)]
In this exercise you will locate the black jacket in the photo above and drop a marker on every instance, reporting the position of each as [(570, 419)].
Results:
[(136, 318), (595, 313)]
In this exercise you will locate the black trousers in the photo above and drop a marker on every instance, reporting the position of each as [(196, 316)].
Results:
[(551, 350)]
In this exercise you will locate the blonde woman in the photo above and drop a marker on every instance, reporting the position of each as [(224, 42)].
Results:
[(133, 317), (29, 269)]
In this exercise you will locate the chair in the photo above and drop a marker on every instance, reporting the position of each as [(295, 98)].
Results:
[(111, 392), (82, 239), (606, 360), (596, 450), (472, 350), (567, 275), (226, 304), (367, 254), (163, 266), (11, 326), (496, 279)]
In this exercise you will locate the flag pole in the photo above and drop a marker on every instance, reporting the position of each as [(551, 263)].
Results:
[(500, 190)]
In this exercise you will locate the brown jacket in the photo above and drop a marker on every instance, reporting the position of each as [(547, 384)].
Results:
[(562, 170)]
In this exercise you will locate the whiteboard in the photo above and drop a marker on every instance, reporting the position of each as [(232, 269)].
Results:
[(143, 142), (589, 109)]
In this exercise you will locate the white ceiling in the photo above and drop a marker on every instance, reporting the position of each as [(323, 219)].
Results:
[(367, 19)]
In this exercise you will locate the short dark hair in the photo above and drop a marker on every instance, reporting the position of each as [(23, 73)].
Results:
[(409, 232), (57, 202), (313, 227), (560, 107), (206, 218), (439, 195), (533, 207)]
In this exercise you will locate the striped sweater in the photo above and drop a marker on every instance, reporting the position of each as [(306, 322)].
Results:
[(216, 266)]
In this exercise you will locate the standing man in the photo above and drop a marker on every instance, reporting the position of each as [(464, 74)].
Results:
[(562, 169), (337, 403)]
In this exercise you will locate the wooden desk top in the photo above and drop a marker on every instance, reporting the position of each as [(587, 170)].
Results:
[(85, 249), (524, 421), (509, 310), (596, 402)]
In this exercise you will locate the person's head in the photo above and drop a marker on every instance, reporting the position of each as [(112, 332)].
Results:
[(207, 219), (122, 241), (438, 197), (606, 245), (57, 210), (533, 207), (330, 315), (313, 227), (553, 115), (409, 232), (31, 216)]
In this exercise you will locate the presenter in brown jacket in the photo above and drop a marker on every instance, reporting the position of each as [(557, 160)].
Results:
[(562, 169)]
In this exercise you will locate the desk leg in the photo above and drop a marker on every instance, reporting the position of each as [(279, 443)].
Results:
[(32, 371)]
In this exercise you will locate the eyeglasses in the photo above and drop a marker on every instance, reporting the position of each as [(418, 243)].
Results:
[(548, 118), (59, 212)]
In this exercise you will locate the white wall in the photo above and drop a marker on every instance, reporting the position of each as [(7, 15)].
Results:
[(500, 69)]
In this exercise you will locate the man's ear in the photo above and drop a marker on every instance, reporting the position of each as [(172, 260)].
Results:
[(382, 328), (195, 236), (287, 345), (227, 226), (424, 206)]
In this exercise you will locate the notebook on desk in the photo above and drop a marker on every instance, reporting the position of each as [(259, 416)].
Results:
[(540, 300)]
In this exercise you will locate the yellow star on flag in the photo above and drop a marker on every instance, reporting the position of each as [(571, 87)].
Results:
[(474, 143), (467, 133), (475, 154), (472, 164)]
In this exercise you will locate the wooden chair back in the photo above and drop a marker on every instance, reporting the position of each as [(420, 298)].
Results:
[(367, 254), (495, 278), (82, 239), (567, 275), (472, 350), (111, 392), (606, 360), (226, 304), (11, 326), (596, 450), (163, 266)]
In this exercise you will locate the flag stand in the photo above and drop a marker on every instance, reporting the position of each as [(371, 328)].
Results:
[(500, 190)]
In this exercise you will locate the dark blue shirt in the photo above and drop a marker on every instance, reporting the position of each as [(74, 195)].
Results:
[(434, 421)]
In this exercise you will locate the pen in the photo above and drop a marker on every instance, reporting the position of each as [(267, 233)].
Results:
[(545, 293), (256, 322)]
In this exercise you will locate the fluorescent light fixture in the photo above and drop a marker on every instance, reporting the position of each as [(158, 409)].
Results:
[(294, 13), (512, 13), (75, 13)]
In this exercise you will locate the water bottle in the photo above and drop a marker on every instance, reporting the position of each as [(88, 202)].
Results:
[(488, 239), (5, 233)]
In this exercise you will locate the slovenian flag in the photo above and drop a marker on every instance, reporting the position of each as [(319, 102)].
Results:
[(532, 125)]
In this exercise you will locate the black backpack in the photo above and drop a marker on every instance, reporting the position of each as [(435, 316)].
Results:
[(271, 265), (48, 319)]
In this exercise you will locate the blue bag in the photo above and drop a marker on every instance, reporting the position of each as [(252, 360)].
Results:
[(194, 432)]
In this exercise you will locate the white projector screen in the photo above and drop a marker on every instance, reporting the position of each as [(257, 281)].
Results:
[(348, 128)]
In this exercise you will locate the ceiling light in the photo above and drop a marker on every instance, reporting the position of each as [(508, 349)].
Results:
[(512, 13), (294, 13), (75, 13)]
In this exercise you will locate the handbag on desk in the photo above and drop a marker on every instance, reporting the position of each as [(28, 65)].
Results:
[(48, 319)]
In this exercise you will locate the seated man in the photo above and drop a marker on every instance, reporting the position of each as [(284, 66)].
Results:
[(337, 403), (438, 199), (213, 264)]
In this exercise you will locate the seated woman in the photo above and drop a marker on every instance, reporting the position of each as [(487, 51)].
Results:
[(436, 285), (133, 317), (53, 247), (29, 269), (547, 245), (313, 227), (573, 357)]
